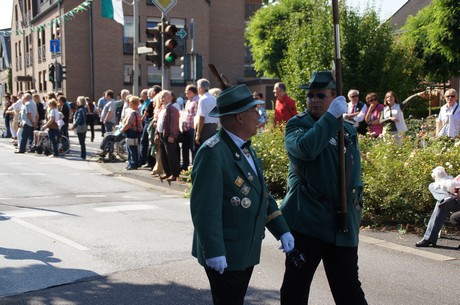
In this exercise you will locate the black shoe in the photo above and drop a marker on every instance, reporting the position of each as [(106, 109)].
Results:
[(19, 152), (425, 243)]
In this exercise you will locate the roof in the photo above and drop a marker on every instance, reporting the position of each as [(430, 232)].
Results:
[(410, 8)]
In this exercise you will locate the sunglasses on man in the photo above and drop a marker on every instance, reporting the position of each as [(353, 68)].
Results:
[(318, 95)]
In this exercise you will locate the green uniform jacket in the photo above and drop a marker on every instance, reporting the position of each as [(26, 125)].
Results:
[(223, 182), (311, 202)]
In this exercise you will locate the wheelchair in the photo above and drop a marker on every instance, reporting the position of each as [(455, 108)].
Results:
[(46, 147), (113, 147)]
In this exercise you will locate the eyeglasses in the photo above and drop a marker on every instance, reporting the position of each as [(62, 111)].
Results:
[(318, 95), (352, 96), (372, 99), (450, 96)]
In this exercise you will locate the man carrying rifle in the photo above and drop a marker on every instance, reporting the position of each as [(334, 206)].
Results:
[(313, 199)]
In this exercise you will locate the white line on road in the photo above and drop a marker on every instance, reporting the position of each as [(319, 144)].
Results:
[(401, 248), (50, 234), (90, 196), (33, 174), (28, 214), (120, 208)]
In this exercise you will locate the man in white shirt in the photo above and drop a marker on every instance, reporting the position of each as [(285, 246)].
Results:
[(356, 111), (205, 125)]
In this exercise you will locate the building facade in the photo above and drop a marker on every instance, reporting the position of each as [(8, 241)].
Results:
[(5, 63), (97, 52)]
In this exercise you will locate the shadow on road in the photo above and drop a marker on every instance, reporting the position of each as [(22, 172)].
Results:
[(102, 291)]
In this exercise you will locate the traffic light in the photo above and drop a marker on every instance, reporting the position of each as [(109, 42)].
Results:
[(51, 73), (170, 45), (155, 44), (185, 67), (61, 73), (198, 68)]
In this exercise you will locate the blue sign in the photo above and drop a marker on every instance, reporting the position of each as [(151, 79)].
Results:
[(55, 46), (181, 33)]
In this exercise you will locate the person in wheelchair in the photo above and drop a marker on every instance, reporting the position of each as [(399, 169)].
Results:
[(445, 189), (108, 142)]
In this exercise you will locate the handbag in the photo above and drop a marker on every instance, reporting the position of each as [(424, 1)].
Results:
[(53, 125), (81, 128)]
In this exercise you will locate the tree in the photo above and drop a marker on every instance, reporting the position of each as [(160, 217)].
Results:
[(434, 35), (293, 38)]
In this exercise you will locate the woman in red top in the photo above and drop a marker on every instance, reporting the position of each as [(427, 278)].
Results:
[(373, 114)]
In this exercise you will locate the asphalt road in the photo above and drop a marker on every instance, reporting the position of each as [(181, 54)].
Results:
[(84, 232)]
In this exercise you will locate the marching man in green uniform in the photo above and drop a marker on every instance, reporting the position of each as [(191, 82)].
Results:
[(312, 201), (229, 202)]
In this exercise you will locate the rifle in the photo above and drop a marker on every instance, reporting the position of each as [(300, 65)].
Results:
[(342, 218), (223, 81)]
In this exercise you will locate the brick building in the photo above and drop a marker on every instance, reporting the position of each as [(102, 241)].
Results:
[(218, 37)]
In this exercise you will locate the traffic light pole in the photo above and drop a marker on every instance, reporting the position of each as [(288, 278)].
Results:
[(135, 51)]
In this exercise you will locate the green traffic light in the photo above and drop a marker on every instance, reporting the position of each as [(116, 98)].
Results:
[(170, 58)]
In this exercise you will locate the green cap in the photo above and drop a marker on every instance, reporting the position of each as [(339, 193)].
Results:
[(320, 80)]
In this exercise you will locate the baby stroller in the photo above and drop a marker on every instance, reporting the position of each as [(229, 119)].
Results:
[(113, 147)]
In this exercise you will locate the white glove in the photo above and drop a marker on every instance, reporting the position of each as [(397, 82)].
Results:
[(287, 242), (218, 263), (338, 107)]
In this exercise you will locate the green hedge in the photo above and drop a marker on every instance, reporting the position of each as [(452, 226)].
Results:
[(395, 178)]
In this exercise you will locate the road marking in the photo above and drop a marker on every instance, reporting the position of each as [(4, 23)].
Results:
[(50, 234), (4, 174), (170, 196), (90, 196), (405, 249), (33, 174), (14, 163), (28, 214), (121, 208)]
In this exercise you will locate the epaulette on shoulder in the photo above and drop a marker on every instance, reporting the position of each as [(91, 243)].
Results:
[(212, 141), (302, 114)]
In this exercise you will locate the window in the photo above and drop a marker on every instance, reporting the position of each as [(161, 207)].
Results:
[(176, 76), (40, 85), (153, 75), (127, 74), (152, 22), (128, 35), (44, 80)]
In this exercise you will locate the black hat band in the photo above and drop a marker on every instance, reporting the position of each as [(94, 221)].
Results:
[(234, 106)]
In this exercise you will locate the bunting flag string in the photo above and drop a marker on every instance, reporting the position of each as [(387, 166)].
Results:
[(58, 20)]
